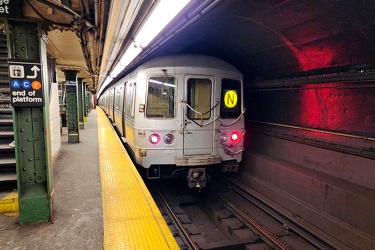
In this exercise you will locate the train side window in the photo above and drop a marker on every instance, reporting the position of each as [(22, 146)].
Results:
[(230, 98), (199, 98), (161, 97)]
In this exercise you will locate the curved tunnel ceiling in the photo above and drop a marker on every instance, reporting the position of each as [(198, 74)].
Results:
[(263, 39), (268, 39)]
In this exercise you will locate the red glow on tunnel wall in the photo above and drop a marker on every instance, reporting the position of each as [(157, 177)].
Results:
[(330, 107), (322, 107), (312, 57)]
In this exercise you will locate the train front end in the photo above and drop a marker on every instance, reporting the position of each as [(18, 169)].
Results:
[(191, 120)]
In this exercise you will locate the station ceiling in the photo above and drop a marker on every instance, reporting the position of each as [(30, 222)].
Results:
[(263, 39)]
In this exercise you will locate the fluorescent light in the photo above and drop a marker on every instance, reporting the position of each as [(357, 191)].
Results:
[(162, 83), (164, 12), (130, 54)]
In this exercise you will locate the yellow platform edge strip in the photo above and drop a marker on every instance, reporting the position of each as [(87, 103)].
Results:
[(9, 204), (131, 219)]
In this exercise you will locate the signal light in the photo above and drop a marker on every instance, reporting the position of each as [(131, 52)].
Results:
[(154, 138)]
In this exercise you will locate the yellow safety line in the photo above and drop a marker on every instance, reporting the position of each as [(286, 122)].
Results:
[(131, 219), (9, 204)]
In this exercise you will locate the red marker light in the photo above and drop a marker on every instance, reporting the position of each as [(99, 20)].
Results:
[(234, 136), (154, 138)]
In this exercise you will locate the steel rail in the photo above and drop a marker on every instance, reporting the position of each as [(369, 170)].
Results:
[(265, 236), (179, 224), (292, 225)]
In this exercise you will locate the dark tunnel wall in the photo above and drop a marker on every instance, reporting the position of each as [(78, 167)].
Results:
[(339, 107)]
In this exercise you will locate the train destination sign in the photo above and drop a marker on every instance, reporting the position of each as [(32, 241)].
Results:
[(230, 98), (25, 84)]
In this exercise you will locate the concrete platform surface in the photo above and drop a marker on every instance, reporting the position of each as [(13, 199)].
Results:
[(78, 222)]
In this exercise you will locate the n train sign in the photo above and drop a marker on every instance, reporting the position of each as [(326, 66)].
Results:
[(25, 84)]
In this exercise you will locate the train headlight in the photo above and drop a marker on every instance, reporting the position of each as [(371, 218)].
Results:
[(154, 138), (223, 137), (168, 138)]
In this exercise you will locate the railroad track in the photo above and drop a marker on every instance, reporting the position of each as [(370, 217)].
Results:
[(223, 217), (314, 236)]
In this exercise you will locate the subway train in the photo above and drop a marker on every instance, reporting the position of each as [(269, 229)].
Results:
[(180, 116)]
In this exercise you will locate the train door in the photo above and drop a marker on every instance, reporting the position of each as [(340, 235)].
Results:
[(110, 104), (124, 99), (119, 93), (198, 115)]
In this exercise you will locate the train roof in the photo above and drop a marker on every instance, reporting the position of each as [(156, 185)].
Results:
[(195, 61)]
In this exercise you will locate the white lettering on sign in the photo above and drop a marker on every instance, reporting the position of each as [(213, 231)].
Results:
[(20, 96), (4, 9), (26, 99)]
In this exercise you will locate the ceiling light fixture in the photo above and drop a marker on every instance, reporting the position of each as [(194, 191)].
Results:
[(163, 13)]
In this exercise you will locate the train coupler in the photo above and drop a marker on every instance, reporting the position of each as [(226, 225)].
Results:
[(196, 178)]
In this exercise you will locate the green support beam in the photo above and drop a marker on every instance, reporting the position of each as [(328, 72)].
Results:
[(30, 103), (33, 193), (80, 98), (72, 105), (85, 115), (90, 101)]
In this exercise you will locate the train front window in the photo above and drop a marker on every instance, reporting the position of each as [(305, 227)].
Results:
[(230, 98), (199, 98), (161, 97)]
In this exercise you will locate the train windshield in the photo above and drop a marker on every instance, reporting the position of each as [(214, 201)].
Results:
[(199, 98), (161, 97), (230, 98)]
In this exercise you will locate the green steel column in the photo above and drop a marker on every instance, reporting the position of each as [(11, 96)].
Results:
[(90, 101), (30, 118), (72, 105), (80, 103), (84, 89), (88, 98)]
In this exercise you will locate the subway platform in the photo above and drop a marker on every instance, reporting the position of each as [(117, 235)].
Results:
[(99, 200)]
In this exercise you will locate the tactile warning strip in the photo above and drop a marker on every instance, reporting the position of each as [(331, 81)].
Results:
[(131, 219)]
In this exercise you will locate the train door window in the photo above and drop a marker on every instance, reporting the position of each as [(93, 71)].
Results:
[(230, 98), (199, 98), (118, 98), (133, 100), (161, 97), (125, 107), (129, 99)]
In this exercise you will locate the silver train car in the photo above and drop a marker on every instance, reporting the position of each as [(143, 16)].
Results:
[(180, 115)]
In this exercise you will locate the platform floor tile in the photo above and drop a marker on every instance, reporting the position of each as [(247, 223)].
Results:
[(131, 219)]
